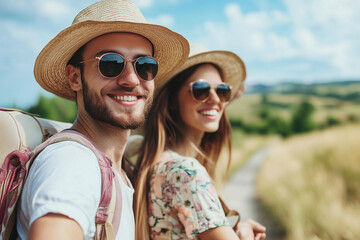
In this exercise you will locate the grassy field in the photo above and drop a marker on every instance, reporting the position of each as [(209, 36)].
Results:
[(311, 183)]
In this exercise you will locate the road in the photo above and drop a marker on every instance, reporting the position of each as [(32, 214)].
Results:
[(240, 195)]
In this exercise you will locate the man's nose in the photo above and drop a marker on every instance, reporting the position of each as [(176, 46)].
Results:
[(128, 77)]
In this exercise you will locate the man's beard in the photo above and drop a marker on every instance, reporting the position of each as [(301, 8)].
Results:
[(98, 110)]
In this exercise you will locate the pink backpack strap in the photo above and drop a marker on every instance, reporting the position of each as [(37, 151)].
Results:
[(107, 176), (12, 177)]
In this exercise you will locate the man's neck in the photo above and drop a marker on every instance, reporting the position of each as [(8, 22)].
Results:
[(111, 140)]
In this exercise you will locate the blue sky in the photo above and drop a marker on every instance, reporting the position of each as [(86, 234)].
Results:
[(279, 40)]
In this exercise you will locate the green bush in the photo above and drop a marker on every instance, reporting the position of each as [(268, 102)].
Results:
[(301, 120), (331, 121), (278, 125), (54, 108)]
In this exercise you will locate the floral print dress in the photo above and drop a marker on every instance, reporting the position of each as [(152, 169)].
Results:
[(182, 200)]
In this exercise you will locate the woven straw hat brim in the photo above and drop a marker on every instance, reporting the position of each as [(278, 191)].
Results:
[(170, 50), (232, 67)]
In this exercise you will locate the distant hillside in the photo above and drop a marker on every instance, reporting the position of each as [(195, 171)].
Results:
[(344, 90), (276, 108)]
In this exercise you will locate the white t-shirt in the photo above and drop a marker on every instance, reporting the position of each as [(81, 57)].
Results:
[(127, 222), (65, 178)]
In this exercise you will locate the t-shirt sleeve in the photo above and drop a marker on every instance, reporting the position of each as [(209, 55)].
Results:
[(194, 197), (65, 178)]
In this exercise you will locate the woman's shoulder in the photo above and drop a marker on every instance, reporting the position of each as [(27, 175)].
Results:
[(174, 167), (175, 162)]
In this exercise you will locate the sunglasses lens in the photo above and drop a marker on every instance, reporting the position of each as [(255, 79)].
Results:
[(224, 92), (146, 68), (111, 65), (200, 90)]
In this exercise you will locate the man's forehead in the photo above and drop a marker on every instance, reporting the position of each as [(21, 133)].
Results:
[(120, 35), (125, 39)]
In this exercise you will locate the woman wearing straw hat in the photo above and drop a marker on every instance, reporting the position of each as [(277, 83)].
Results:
[(108, 61), (186, 130)]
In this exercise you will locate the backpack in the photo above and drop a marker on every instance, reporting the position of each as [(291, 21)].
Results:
[(27, 135)]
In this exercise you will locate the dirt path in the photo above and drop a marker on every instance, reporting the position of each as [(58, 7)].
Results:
[(240, 195)]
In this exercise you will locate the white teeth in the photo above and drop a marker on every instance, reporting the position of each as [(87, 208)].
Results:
[(209, 112), (126, 98)]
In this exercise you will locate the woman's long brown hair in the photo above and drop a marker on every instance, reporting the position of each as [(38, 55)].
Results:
[(162, 130)]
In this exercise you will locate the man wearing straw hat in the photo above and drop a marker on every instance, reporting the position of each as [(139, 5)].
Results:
[(108, 61)]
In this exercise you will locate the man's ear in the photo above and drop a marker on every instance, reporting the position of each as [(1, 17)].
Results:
[(74, 77)]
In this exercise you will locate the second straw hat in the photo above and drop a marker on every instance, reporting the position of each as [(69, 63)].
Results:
[(231, 66)]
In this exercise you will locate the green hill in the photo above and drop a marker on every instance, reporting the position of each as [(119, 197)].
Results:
[(344, 90), (265, 107)]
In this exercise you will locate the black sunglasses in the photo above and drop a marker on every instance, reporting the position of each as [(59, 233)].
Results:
[(112, 65), (200, 90)]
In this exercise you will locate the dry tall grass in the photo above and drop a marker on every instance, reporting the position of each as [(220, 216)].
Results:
[(312, 184)]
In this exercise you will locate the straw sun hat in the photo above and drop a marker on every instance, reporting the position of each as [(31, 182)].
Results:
[(232, 67), (106, 16)]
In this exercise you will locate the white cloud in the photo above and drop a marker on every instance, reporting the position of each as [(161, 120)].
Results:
[(335, 11), (322, 32), (172, 1), (51, 10), (151, 3), (214, 36), (164, 20), (56, 11), (258, 20), (305, 39), (233, 12), (257, 40), (329, 31), (17, 6), (279, 17), (330, 15), (280, 47), (346, 59), (30, 38), (144, 3), (249, 34)]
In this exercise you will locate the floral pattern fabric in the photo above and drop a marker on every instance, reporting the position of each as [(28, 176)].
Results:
[(182, 200)]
